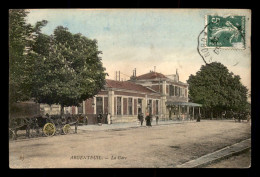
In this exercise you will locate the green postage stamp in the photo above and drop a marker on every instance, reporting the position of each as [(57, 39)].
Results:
[(225, 31)]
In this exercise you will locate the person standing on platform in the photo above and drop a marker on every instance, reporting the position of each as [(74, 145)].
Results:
[(86, 120), (142, 119), (138, 118), (148, 120), (151, 119), (157, 120), (199, 117), (108, 119), (100, 119)]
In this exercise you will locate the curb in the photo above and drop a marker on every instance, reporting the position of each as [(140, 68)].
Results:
[(216, 159), (224, 157)]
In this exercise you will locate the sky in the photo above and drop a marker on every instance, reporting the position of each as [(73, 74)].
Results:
[(148, 39)]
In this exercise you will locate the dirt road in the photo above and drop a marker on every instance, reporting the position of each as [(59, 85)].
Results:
[(158, 146)]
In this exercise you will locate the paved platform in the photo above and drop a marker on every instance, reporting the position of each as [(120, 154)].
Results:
[(118, 126), (218, 155)]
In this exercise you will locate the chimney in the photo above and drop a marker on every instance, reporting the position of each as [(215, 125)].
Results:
[(135, 72), (177, 75)]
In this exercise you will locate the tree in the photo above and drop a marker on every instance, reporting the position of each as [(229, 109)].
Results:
[(62, 68), (21, 38), (217, 89), (67, 70)]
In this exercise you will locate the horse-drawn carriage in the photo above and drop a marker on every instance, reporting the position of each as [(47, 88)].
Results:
[(27, 117), (238, 116)]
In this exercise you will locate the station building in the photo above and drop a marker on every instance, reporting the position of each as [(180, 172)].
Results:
[(160, 95)]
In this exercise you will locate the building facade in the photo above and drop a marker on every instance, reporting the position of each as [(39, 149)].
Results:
[(171, 89), (160, 95), (152, 93), (124, 100)]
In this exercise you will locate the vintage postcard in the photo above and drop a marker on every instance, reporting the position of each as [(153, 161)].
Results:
[(129, 88)]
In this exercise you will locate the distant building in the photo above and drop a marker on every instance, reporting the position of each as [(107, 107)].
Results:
[(54, 109)]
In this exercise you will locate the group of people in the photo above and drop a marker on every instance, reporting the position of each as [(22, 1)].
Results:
[(108, 118), (148, 119)]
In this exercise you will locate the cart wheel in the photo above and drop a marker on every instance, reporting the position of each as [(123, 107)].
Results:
[(66, 129), (49, 129)]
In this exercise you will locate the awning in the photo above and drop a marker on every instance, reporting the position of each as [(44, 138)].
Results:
[(172, 103)]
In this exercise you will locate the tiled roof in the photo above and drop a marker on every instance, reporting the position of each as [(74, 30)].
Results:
[(151, 75), (127, 85)]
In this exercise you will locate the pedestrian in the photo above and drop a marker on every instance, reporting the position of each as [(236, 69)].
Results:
[(138, 118), (108, 119), (100, 119), (223, 115), (148, 120), (142, 119), (178, 116), (199, 116), (157, 119), (111, 119), (86, 120), (76, 126), (248, 117)]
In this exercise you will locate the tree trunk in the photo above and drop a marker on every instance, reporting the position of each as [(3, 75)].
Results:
[(211, 115)]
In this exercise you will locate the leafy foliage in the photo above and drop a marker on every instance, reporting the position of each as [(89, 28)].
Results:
[(216, 88), (68, 68), (62, 68), (20, 39)]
